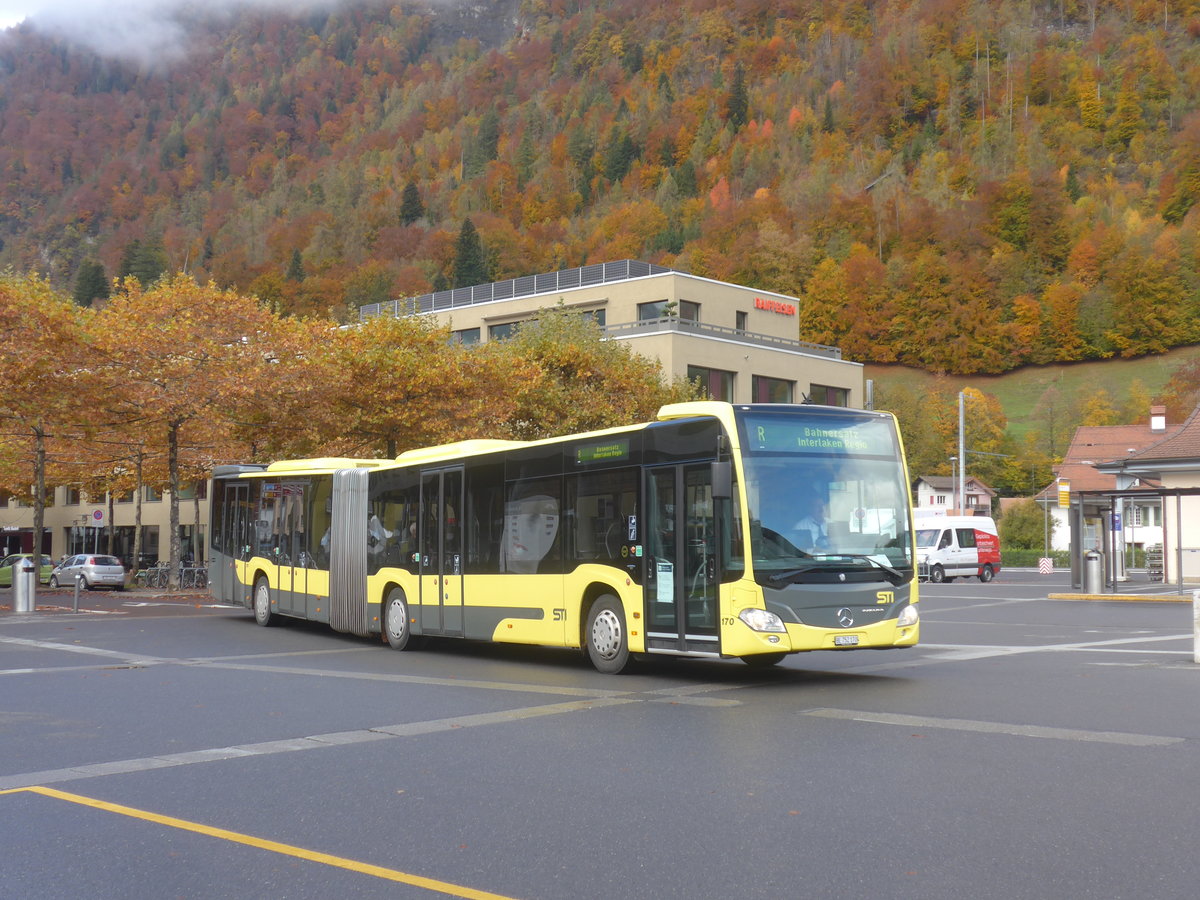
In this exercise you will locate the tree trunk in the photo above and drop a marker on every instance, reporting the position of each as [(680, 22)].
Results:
[(137, 514), (173, 470), (39, 499)]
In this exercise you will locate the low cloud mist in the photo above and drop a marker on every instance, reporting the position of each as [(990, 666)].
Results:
[(148, 32)]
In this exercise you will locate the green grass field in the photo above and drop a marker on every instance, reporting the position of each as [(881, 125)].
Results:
[(1019, 391)]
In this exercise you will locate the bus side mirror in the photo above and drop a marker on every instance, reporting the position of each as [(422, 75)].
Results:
[(722, 480)]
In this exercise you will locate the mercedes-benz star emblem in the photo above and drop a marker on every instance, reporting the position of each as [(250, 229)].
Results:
[(845, 618)]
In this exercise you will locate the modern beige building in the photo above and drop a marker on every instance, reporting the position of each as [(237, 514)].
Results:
[(742, 343), (75, 523)]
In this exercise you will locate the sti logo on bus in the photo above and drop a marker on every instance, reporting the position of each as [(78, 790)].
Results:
[(886, 596)]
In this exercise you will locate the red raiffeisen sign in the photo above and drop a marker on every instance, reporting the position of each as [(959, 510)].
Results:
[(775, 306)]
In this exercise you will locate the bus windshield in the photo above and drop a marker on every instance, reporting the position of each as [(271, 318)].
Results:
[(927, 537), (826, 489)]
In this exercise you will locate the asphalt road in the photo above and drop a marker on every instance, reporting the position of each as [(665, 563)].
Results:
[(171, 748)]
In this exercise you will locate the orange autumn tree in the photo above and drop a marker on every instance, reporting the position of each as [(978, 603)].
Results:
[(176, 359), (393, 384), (582, 381), (40, 368)]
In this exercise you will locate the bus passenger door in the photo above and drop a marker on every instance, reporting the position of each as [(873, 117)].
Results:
[(681, 560), (237, 528), (293, 549), (442, 555)]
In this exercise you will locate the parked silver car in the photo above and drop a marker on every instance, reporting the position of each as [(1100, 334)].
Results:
[(97, 571)]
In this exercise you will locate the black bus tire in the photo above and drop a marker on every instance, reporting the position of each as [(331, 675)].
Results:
[(607, 638), (396, 627), (763, 660), (262, 603)]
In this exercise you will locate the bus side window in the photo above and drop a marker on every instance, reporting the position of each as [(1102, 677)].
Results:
[(947, 536), (485, 518), (966, 537), (532, 537), (600, 507)]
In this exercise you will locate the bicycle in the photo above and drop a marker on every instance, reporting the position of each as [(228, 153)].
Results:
[(193, 577)]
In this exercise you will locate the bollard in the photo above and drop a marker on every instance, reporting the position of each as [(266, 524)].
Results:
[(1093, 572), (24, 586), (1196, 626), (75, 604)]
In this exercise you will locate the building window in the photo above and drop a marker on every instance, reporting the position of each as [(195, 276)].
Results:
[(771, 390), (500, 332), (5, 496), (719, 384), (74, 498), (740, 320), (662, 309), (150, 495), (465, 336), (195, 490), (828, 396), (124, 497), (599, 316), (939, 500)]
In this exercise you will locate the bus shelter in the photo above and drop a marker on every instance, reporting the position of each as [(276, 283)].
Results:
[(1094, 514)]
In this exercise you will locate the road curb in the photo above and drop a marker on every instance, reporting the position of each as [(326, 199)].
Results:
[(1126, 598)]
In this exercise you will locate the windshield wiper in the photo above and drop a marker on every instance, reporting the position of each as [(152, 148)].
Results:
[(895, 576), (779, 579)]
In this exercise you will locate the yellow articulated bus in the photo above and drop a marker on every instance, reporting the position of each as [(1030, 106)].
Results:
[(718, 530)]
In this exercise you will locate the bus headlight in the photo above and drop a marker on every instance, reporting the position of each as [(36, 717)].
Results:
[(908, 617), (761, 620)]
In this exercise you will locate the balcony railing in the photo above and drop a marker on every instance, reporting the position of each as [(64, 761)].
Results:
[(690, 326), (525, 286)]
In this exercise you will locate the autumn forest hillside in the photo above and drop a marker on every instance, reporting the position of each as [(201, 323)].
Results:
[(962, 186)]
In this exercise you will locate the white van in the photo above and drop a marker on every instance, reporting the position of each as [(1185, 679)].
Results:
[(953, 546)]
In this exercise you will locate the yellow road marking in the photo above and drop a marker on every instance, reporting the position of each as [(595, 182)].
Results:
[(339, 862)]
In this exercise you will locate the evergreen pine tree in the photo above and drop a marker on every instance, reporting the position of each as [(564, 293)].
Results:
[(526, 160), (411, 208), (737, 104), (90, 283), (295, 269), (143, 261), (470, 261)]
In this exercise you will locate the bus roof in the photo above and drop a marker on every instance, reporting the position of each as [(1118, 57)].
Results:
[(320, 465), (458, 448)]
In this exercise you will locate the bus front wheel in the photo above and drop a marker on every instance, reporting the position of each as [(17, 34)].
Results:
[(262, 603), (607, 641), (395, 620), (763, 660), (937, 574)]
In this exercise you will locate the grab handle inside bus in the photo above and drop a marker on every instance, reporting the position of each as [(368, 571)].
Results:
[(722, 480)]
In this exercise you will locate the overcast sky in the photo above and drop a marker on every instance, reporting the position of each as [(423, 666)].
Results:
[(146, 31)]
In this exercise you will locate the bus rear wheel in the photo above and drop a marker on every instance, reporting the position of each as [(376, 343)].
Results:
[(607, 641), (987, 574), (395, 620), (262, 603)]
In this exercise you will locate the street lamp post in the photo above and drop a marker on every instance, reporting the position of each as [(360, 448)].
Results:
[(954, 484)]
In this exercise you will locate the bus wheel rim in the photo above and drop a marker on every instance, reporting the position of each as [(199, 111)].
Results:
[(397, 619), (606, 634)]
